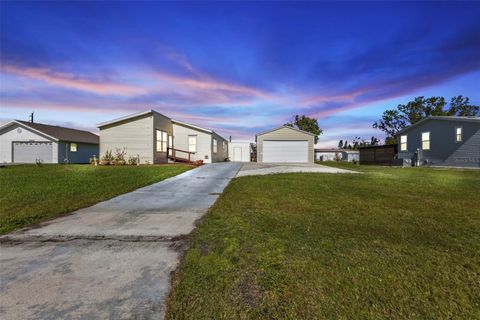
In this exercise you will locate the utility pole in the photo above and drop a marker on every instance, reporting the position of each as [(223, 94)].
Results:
[(31, 117)]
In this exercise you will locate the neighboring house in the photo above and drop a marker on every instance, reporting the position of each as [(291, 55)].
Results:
[(30, 142), (441, 141), (336, 155), (149, 135), (285, 144), (240, 150)]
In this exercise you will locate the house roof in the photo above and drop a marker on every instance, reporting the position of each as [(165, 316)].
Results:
[(58, 133), (127, 117), (151, 111), (284, 126), (441, 118), (191, 126)]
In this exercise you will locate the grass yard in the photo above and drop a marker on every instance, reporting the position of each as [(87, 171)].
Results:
[(389, 243), (31, 194)]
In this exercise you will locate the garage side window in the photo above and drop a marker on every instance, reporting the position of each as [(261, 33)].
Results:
[(162, 138), (403, 143), (192, 143), (425, 140), (214, 145), (73, 147)]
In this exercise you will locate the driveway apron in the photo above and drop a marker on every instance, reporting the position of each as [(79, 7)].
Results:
[(109, 261)]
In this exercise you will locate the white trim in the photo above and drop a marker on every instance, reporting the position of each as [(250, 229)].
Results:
[(135, 115), (191, 126), (288, 127), (8, 124)]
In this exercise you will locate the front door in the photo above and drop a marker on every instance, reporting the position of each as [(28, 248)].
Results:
[(237, 154)]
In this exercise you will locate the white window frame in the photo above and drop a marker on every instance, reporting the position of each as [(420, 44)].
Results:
[(215, 145), (161, 141), (192, 147), (73, 147), (403, 145), (426, 140), (457, 135)]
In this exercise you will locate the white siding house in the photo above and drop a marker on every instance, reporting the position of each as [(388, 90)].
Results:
[(149, 134)]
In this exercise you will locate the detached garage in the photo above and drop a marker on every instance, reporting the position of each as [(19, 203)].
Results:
[(285, 145), (28, 142)]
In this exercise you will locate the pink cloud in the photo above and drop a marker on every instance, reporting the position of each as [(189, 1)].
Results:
[(73, 81)]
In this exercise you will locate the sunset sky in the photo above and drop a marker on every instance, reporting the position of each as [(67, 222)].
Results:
[(238, 68)]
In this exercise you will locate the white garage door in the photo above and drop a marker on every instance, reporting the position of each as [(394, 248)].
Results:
[(29, 152), (285, 151)]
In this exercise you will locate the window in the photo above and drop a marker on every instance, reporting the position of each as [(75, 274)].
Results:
[(162, 138), (403, 143), (458, 134), (224, 145), (192, 143), (214, 145), (425, 140), (73, 147)]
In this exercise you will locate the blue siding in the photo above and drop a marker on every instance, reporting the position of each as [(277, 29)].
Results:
[(444, 150), (84, 152)]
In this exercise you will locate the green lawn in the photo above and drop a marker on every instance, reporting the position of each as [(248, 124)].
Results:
[(31, 194), (390, 243)]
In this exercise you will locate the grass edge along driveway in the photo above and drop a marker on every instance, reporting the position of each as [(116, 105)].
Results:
[(390, 243), (32, 194)]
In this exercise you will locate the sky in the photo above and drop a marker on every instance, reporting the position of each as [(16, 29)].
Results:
[(238, 68)]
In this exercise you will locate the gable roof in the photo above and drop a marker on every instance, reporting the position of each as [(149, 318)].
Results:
[(284, 126), (191, 126), (441, 118), (58, 133)]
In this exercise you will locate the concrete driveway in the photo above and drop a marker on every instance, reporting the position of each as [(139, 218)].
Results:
[(109, 261), (254, 169)]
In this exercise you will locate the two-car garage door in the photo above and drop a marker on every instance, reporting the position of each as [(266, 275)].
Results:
[(285, 151), (30, 152)]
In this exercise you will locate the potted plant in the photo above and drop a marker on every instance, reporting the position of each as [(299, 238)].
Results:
[(107, 158)]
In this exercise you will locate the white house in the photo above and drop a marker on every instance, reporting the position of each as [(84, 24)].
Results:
[(156, 138), (336, 155), (31, 142), (240, 150)]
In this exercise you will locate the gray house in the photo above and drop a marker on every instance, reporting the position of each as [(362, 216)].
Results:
[(28, 142), (441, 141), (156, 138)]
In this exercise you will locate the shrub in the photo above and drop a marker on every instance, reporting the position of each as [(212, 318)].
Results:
[(107, 158), (198, 163), (120, 156), (133, 160)]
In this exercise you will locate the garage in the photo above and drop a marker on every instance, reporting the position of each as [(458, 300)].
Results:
[(285, 145), (285, 151), (29, 152)]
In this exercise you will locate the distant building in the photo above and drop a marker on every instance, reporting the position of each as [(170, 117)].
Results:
[(31, 142), (336, 155), (441, 141)]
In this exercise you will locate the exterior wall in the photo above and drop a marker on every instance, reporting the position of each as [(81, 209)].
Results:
[(85, 151), (135, 135), (11, 134), (350, 156), (327, 156), (444, 150), (285, 134), (245, 146), (160, 122), (222, 149), (204, 142)]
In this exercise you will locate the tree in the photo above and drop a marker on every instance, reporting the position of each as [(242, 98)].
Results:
[(394, 120), (306, 124), (340, 144)]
